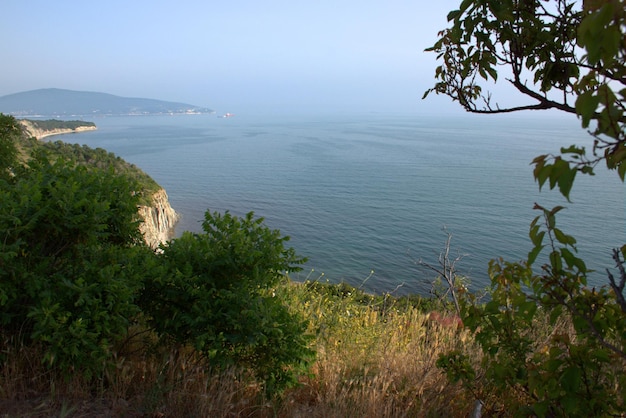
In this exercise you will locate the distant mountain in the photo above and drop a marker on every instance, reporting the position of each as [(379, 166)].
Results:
[(66, 103)]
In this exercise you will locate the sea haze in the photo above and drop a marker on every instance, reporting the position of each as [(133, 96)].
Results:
[(358, 193)]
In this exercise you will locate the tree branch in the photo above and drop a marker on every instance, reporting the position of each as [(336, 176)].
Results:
[(618, 289), (447, 271)]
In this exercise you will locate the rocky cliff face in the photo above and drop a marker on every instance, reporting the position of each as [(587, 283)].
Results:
[(159, 220), (42, 133)]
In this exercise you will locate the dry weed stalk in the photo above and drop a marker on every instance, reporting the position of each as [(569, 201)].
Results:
[(386, 369)]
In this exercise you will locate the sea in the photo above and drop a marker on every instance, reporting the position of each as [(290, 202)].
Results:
[(367, 196)]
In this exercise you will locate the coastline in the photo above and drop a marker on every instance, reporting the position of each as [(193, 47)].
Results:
[(159, 218), (66, 131), (39, 133)]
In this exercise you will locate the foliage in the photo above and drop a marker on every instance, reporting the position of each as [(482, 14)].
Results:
[(69, 261), (215, 292), (368, 364), (576, 369), (574, 54), (52, 124), (9, 133), (542, 41), (70, 256), (98, 158), (75, 274)]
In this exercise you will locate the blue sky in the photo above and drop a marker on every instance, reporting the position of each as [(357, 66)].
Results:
[(324, 54)]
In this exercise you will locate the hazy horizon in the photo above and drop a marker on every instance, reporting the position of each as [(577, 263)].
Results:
[(362, 55)]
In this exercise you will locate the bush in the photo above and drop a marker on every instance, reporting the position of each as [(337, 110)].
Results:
[(71, 262), (75, 273), (215, 292), (9, 133)]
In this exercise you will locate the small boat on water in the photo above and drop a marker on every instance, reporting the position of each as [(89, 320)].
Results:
[(226, 115)]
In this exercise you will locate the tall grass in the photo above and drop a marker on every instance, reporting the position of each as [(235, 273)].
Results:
[(375, 358)]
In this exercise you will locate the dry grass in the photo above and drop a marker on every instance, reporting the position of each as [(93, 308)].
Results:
[(174, 384), (369, 364), (373, 364)]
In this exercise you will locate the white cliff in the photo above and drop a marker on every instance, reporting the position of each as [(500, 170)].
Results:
[(159, 220), (39, 133)]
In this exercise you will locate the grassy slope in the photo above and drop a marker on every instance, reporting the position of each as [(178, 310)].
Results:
[(376, 358)]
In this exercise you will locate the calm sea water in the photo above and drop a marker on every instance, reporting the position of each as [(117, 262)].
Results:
[(373, 192)]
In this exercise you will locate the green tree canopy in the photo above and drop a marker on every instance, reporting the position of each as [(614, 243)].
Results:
[(216, 293), (556, 54)]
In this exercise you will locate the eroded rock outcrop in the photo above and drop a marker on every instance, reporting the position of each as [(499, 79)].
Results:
[(159, 220), (39, 133)]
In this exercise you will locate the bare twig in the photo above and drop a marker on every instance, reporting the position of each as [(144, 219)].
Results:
[(618, 289), (447, 271)]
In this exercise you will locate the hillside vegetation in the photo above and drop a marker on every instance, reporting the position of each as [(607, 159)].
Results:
[(95, 323), (84, 155), (376, 357), (79, 287), (52, 124)]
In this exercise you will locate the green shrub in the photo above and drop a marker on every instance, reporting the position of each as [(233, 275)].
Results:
[(71, 261), (75, 274), (9, 133), (101, 159), (215, 293)]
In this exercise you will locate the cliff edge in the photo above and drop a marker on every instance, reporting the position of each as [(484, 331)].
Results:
[(32, 129), (159, 217), (158, 220)]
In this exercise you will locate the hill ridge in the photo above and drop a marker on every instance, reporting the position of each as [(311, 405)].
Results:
[(55, 102)]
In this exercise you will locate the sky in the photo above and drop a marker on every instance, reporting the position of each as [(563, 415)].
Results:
[(337, 55)]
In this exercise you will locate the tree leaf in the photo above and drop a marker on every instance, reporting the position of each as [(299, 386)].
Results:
[(555, 261), (454, 14), (569, 257), (573, 149), (542, 172), (563, 238), (566, 181), (558, 168), (535, 236), (532, 255), (586, 105), (621, 170), (556, 209), (571, 379)]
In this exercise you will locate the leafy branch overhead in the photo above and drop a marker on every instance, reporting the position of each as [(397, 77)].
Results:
[(569, 56), (556, 55)]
